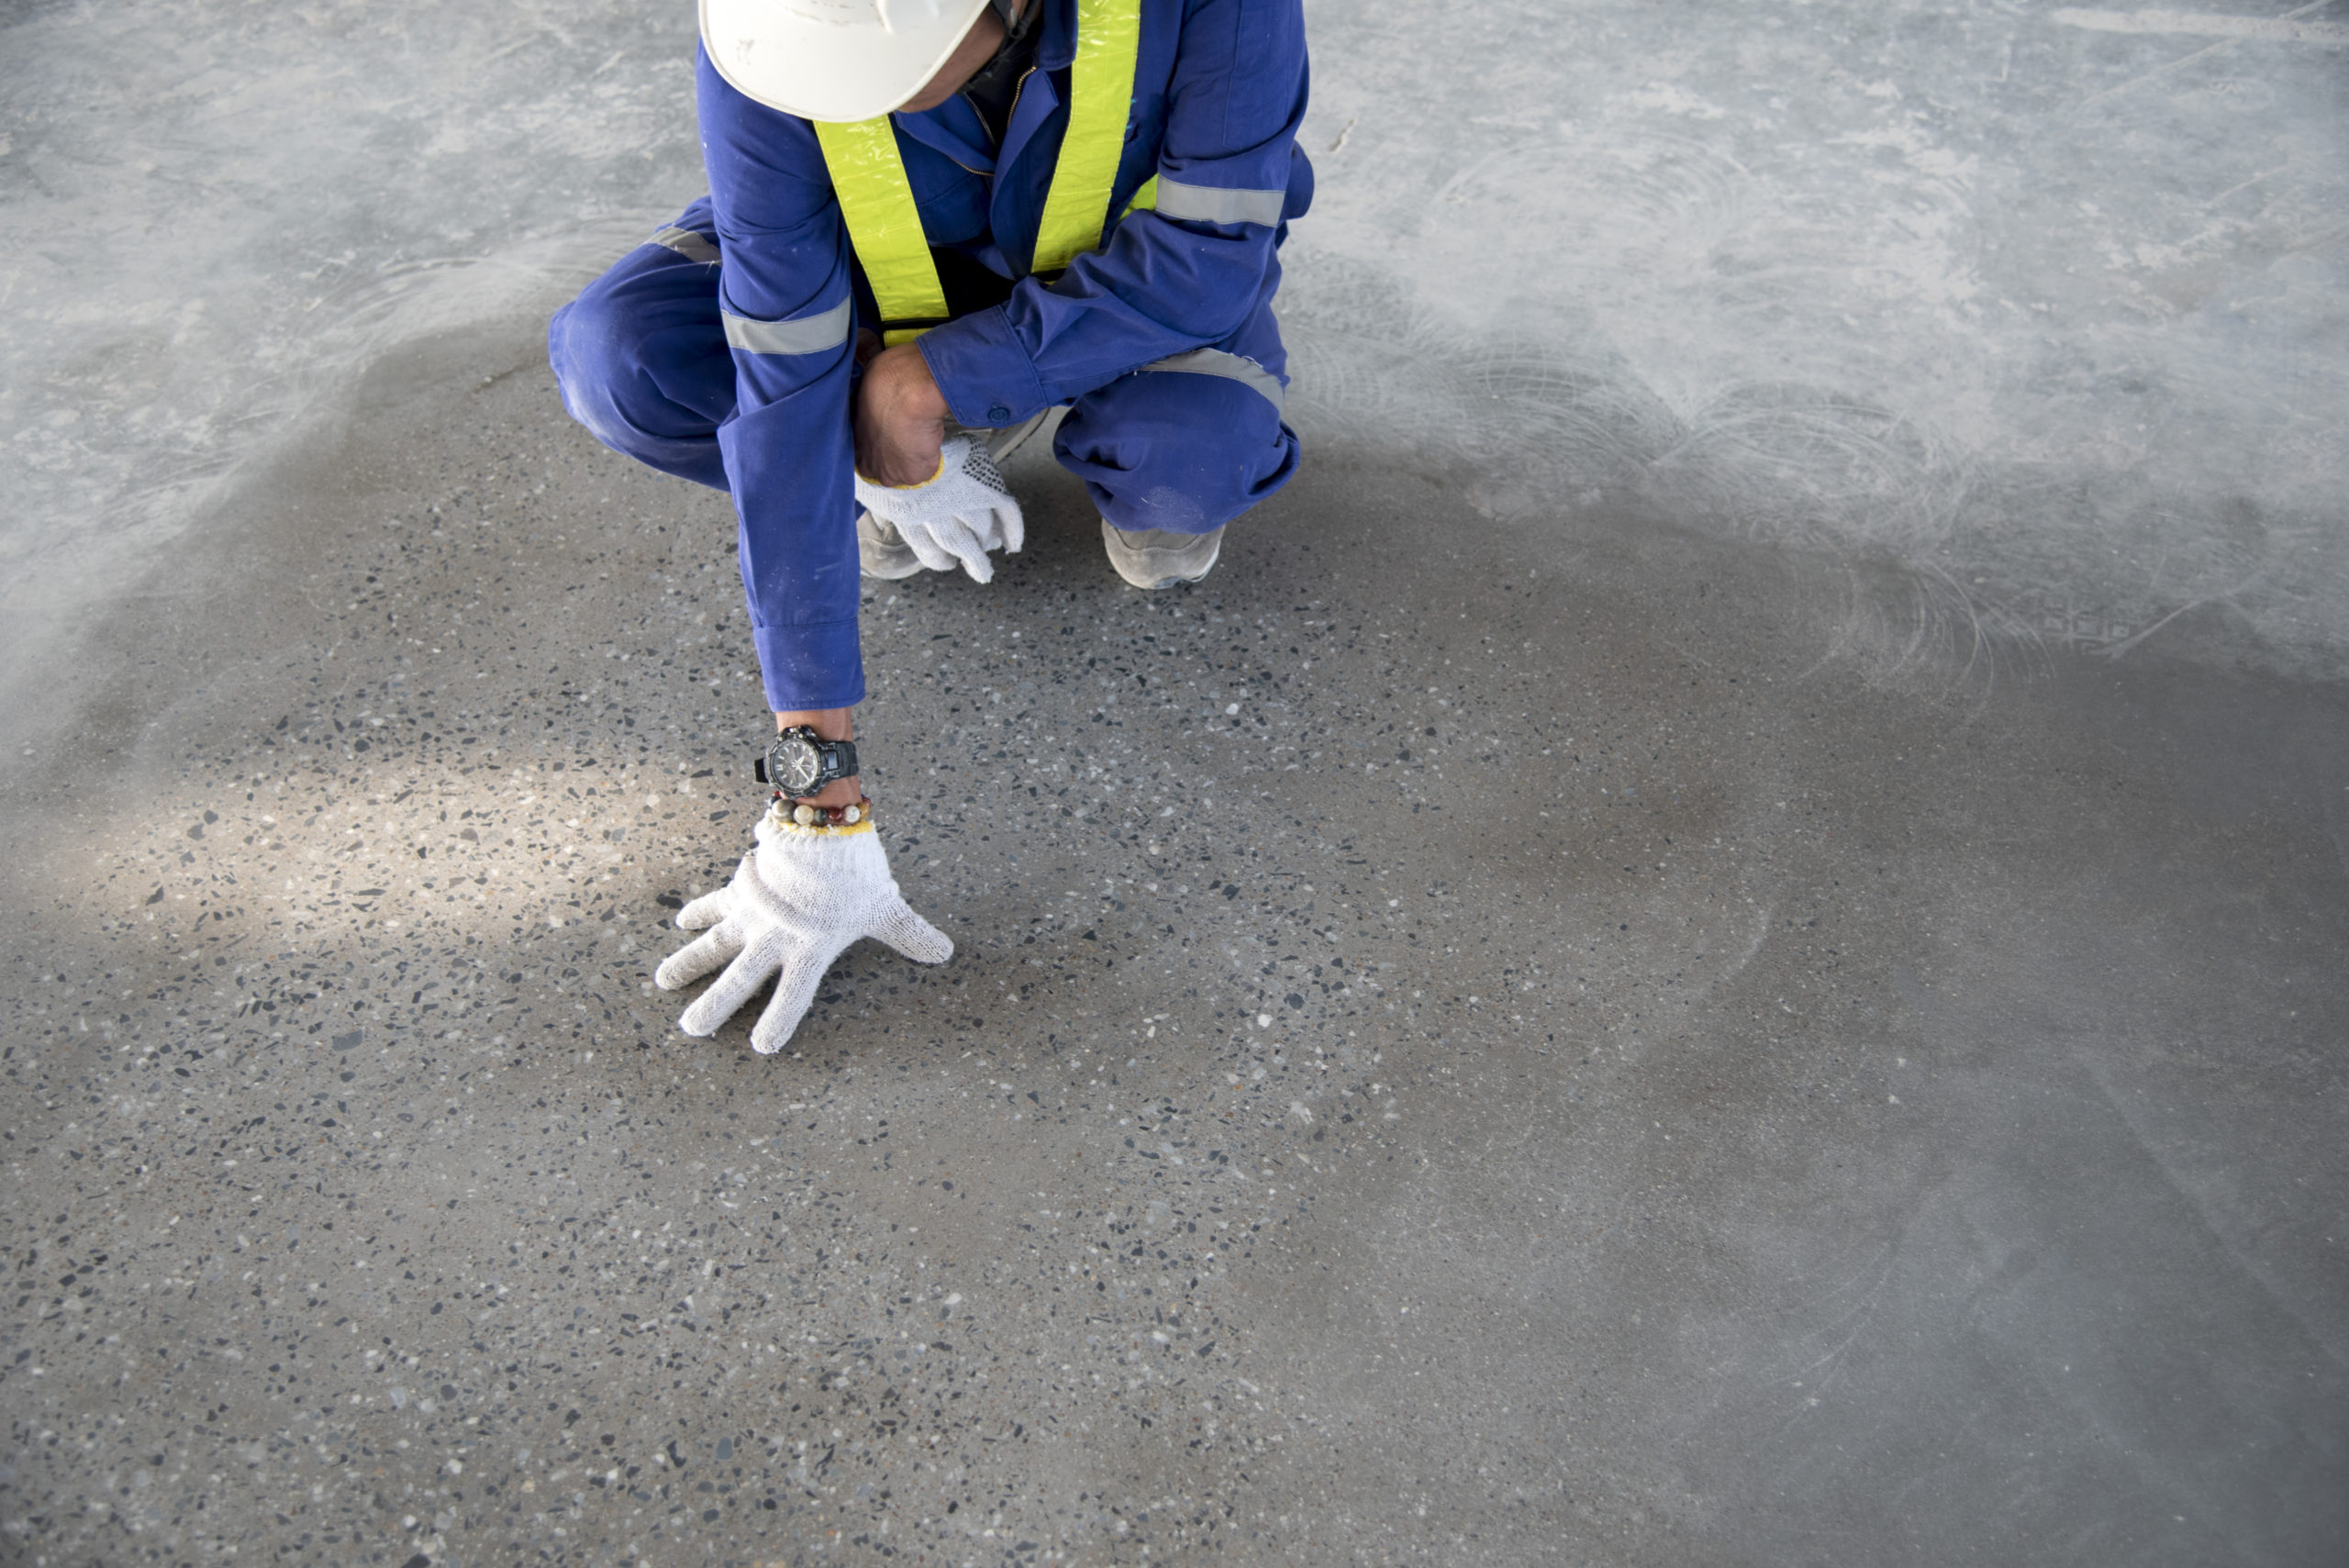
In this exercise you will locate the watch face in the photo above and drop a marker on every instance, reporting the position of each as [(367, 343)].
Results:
[(800, 763)]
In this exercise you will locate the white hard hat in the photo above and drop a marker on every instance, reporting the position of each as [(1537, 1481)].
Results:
[(833, 60)]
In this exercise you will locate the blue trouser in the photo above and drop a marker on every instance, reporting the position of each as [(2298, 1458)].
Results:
[(1185, 445)]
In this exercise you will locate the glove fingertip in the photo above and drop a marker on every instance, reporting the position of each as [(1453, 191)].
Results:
[(710, 1011), (702, 912), (926, 550), (794, 994), (679, 970), (916, 937)]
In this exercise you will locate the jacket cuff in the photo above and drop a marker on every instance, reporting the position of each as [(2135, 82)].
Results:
[(983, 370), (812, 666)]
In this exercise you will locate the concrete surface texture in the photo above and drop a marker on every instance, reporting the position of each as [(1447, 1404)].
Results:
[(1718, 939)]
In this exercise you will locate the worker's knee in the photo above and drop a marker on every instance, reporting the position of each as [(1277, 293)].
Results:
[(641, 362), (1186, 448), (586, 348)]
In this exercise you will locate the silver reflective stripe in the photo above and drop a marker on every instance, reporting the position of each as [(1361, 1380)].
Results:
[(808, 335), (1213, 203), (1231, 367), (686, 243)]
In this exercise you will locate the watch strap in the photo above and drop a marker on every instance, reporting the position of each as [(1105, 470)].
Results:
[(839, 761)]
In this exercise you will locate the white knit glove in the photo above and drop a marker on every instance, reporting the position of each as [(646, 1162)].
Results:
[(965, 511), (795, 905)]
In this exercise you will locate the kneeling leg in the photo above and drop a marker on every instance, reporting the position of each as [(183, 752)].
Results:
[(641, 356)]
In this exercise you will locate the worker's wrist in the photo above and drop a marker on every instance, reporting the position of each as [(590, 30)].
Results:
[(830, 724), (900, 420), (900, 379), (983, 372), (840, 792)]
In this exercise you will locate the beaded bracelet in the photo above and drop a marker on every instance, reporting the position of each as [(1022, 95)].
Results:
[(803, 814)]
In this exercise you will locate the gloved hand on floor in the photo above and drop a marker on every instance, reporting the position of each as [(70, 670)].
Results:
[(963, 512), (795, 904)]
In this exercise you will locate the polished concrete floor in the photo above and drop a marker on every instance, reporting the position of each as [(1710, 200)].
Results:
[(1718, 940), (1468, 1044)]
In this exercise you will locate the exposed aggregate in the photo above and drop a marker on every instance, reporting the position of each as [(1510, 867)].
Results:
[(1322, 954)]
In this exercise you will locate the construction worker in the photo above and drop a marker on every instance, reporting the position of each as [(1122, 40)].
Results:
[(931, 225)]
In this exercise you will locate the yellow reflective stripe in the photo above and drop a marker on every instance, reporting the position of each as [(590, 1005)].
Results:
[(1101, 93), (877, 201), (1145, 199)]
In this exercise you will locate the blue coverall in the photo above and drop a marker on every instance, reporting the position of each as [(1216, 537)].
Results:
[(681, 356)]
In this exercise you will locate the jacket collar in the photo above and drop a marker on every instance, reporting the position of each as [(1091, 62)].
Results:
[(1056, 44), (955, 129)]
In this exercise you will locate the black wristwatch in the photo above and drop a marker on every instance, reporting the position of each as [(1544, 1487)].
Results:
[(800, 763)]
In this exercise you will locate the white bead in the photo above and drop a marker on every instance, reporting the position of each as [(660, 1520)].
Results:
[(851, 816), (803, 814)]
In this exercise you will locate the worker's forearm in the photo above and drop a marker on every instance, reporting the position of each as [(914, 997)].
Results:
[(830, 724)]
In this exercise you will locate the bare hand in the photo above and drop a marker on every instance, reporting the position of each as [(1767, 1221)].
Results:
[(900, 418)]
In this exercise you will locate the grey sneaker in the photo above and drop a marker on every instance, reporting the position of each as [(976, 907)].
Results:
[(881, 551), (1153, 558)]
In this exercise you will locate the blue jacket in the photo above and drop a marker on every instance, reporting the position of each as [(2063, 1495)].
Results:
[(1219, 89)]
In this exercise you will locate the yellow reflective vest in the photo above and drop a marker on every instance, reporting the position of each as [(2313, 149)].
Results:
[(877, 200)]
